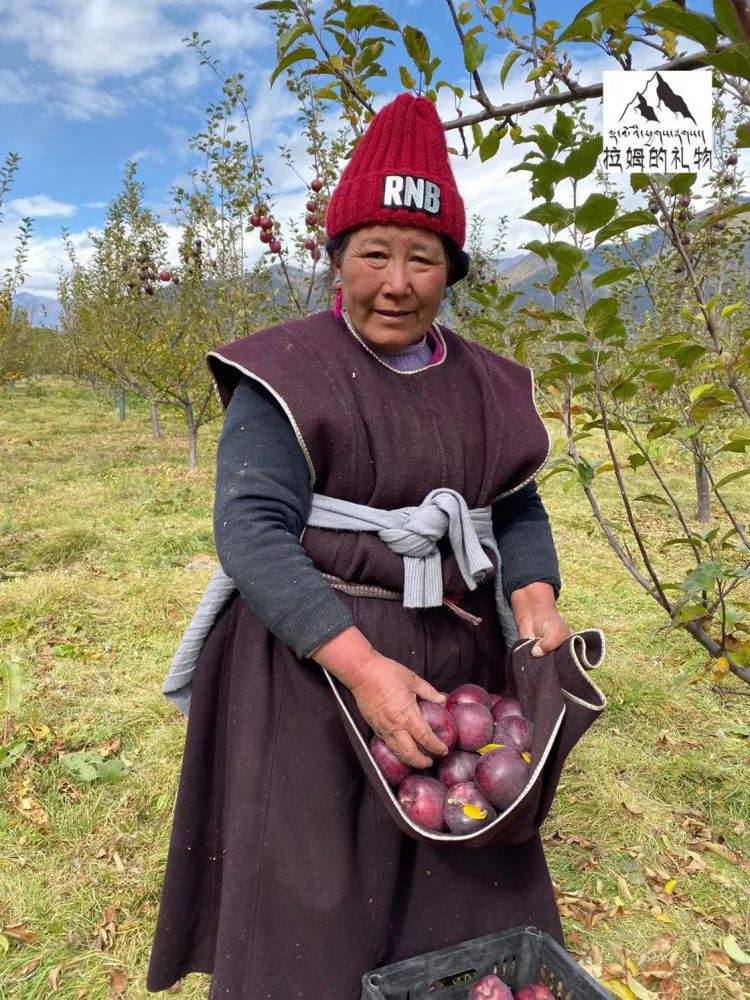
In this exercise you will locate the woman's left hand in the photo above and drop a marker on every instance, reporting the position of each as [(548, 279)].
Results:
[(536, 614)]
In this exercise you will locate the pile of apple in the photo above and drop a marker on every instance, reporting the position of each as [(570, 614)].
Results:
[(487, 767), (492, 988)]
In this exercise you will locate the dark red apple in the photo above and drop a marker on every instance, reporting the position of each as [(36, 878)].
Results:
[(514, 731), (474, 724), (535, 991), (255, 219), (494, 699), (274, 246), (164, 276), (311, 206), (460, 820), (440, 722), (490, 988), (505, 707), (423, 801), (316, 185), (468, 694), (394, 771), (502, 775), (265, 236), (458, 766)]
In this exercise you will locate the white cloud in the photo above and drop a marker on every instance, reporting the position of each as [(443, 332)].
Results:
[(40, 206), (46, 255)]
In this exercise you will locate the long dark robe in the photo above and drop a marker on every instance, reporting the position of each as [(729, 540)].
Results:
[(286, 878)]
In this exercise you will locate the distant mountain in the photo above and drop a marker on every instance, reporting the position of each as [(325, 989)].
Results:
[(42, 310)]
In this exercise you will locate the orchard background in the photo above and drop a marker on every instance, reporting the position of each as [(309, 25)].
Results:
[(631, 306)]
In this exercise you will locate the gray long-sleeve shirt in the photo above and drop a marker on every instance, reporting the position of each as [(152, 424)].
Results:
[(262, 503)]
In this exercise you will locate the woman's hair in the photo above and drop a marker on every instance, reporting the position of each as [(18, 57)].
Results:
[(456, 259)]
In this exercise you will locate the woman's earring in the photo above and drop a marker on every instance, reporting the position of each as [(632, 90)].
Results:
[(337, 306)]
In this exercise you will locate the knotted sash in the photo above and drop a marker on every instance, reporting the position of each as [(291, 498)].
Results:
[(411, 532)]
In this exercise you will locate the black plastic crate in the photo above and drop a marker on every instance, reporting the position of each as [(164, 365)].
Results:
[(518, 956)]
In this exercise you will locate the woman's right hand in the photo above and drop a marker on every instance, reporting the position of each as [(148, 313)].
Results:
[(386, 693)]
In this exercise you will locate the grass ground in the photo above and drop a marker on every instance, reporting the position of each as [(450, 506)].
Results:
[(648, 840)]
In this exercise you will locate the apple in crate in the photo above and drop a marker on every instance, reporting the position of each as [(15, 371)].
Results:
[(440, 722), (423, 801), (514, 731), (490, 988), (535, 991), (504, 707), (474, 724), (502, 775), (468, 694), (466, 809), (391, 767)]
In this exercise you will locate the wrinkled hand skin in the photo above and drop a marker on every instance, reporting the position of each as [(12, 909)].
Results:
[(386, 693), (536, 615)]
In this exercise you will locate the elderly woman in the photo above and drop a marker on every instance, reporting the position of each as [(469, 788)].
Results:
[(286, 878)]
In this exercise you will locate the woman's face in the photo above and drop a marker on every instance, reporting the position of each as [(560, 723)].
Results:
[(393, 279)]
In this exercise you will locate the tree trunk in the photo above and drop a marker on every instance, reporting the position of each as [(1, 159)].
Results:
[(192, 432), (121, 404), (155, 421), (703, 493)]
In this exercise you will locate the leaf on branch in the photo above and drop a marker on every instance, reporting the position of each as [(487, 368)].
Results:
[(726, 15), (474, 51), (629, 220), (507, 64), (417, 46), (290, 37), (597, 210), (652, 498), (407, 80), (582, 160), (683, 22), (287, 6), (611, 276), (731, 477), (295, 56), (551, 213), (369, 16)]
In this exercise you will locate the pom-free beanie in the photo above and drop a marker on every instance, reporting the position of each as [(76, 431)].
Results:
[(399, 173)]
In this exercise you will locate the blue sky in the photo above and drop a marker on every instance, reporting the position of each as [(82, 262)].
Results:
[(86, 85)]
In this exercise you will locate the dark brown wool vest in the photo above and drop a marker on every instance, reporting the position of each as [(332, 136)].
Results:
[(373, 435)]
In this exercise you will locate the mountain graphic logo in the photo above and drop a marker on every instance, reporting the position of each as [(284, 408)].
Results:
[(656, 102)]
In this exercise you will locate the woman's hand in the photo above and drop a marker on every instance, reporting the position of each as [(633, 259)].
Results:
[(536, 614), (387, 696), (386, 693)]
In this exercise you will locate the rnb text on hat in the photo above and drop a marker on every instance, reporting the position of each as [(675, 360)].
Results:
[(416, 194)]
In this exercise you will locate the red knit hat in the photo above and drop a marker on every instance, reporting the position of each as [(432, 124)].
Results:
[(399, 173)]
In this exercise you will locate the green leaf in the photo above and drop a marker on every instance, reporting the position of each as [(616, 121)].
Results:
[(733, 61), (551, 213), (703, 577), (639, 181), (661, 378), (595, 212), (629, 220), (537, 72), (612, 275), (743, 135), (600, 316), (537, 247), (417, 46), (284, 5), (728, 310), (726, 15), (370, 16), (489, 145), (474, 51), (290, 37), (566, 255), (689, 612), (686, 356), (579, 30), (681, 183), (683, 22), (732, 476), (507, 63), (636, 460), (407, 80), (582, 161), (11, 691), (652, 498), (295, 56)]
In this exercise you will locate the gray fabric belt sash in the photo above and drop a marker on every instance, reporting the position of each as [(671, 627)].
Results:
[(412, 532)]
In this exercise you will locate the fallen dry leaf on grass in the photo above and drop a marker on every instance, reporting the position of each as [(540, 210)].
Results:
[(53, 978), (18, 931), (27, 969), (118, 982), (105, 934)]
